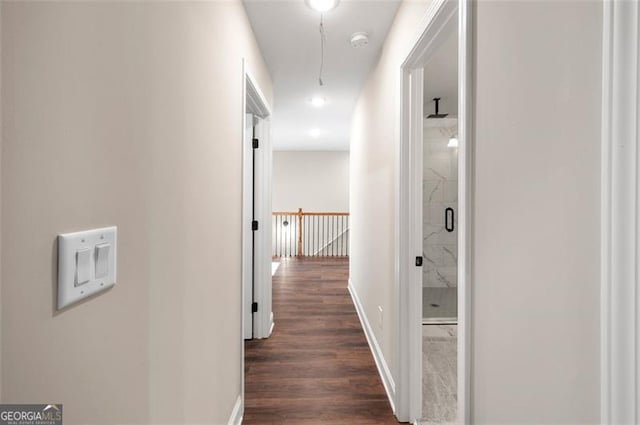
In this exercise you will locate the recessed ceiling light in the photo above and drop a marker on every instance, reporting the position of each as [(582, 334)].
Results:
[(318, 101), (315, 132), (322, 5)]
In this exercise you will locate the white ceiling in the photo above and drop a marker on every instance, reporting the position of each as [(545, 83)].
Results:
[(441, 78), (288, 35)]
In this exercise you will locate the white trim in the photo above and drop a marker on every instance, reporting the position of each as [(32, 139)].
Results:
[(256, 100), (435, 27), (466, 188), (236, 413), (272, 325), (620, 293), (244, 251), (381, 364), (409, 394), (263, 285), (400, 267), (437, 21), (605, 216)]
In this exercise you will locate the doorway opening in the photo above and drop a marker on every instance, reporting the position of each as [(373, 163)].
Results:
[(256, 214), (256, 311), (439, 234), (434, 185)]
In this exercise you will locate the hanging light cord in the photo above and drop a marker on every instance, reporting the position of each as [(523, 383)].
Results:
[(322, 41)]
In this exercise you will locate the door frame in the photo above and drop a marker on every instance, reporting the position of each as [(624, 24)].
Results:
[(620, 212), (442, 17), (254, 102)]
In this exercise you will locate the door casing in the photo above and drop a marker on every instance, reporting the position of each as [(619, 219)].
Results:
[(442, 17), (620, 214), (259, 252)]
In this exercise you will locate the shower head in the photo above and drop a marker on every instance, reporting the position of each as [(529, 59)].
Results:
[(437, 114)]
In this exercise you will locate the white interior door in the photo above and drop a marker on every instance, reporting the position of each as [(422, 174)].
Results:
[(247, 233), (262, 156)]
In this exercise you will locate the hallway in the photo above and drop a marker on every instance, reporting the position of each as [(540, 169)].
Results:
[(153, 152), (317, 367)]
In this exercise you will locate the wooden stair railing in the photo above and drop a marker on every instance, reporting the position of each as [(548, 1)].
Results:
[(318, 234)]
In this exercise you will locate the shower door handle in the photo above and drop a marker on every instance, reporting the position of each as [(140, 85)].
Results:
[(449, 219)]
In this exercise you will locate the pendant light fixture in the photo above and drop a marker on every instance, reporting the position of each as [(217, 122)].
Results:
[(323, 38), (322, 5)]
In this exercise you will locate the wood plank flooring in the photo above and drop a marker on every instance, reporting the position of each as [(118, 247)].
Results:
[(317, 367)]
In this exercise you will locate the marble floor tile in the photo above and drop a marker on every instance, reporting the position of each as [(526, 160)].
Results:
[(439, 382)]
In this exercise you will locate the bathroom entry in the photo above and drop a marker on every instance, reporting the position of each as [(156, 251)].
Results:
[(434, 348), (440, 235)]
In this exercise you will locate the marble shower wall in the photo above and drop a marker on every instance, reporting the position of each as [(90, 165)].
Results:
[(440, 191)]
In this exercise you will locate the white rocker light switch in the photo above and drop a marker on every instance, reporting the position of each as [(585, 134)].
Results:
[(83, 266), (102, 260)]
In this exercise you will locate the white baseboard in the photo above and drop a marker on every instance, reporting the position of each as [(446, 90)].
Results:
[(236, 413), (274, 267), (381, 364), (273, 324)]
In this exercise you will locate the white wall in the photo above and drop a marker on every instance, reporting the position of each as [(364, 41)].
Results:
[(535, 280), (127, 114), (313, 181), (537, 222), (372, 193)]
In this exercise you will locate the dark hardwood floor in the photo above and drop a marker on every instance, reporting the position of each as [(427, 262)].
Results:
[(317, 367)]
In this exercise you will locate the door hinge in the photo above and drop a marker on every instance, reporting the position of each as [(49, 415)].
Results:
[(256, 143), (254, 307), (254, 225), (419, 261)]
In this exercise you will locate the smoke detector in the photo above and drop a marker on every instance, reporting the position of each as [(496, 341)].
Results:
[(359, 39)]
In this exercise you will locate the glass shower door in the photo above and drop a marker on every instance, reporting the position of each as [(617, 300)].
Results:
[(440, 207)]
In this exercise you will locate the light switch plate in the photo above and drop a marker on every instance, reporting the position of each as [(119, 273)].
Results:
[(69, 245)]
